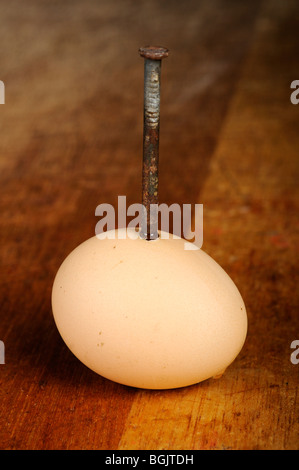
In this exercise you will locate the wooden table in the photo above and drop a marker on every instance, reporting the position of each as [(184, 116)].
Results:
[(71, 138)]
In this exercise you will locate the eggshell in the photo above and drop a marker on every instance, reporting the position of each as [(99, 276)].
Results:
[(148, 314)]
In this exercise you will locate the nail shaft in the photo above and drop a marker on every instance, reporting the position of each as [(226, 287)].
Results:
[(152, 81)]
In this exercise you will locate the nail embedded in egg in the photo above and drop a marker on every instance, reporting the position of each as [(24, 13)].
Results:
[(143, 310), (185, 328)]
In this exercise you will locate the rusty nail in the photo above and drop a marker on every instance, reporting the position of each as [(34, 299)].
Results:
[(152, 79)]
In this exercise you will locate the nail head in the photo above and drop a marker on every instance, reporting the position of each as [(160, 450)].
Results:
[(153, 52)]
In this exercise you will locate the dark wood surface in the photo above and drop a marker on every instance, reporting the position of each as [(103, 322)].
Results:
[(71, 138)]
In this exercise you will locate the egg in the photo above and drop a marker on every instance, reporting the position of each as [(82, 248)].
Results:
[(148, 314)]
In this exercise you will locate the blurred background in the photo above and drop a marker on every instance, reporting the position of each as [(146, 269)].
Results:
[(71, 139)]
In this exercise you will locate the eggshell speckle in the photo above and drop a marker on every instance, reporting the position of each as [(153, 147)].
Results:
[(148, 314)]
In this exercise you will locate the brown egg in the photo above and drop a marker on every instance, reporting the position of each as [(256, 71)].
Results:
[(148, 314)]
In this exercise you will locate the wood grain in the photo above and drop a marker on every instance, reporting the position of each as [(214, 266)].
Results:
[(71, 138)]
